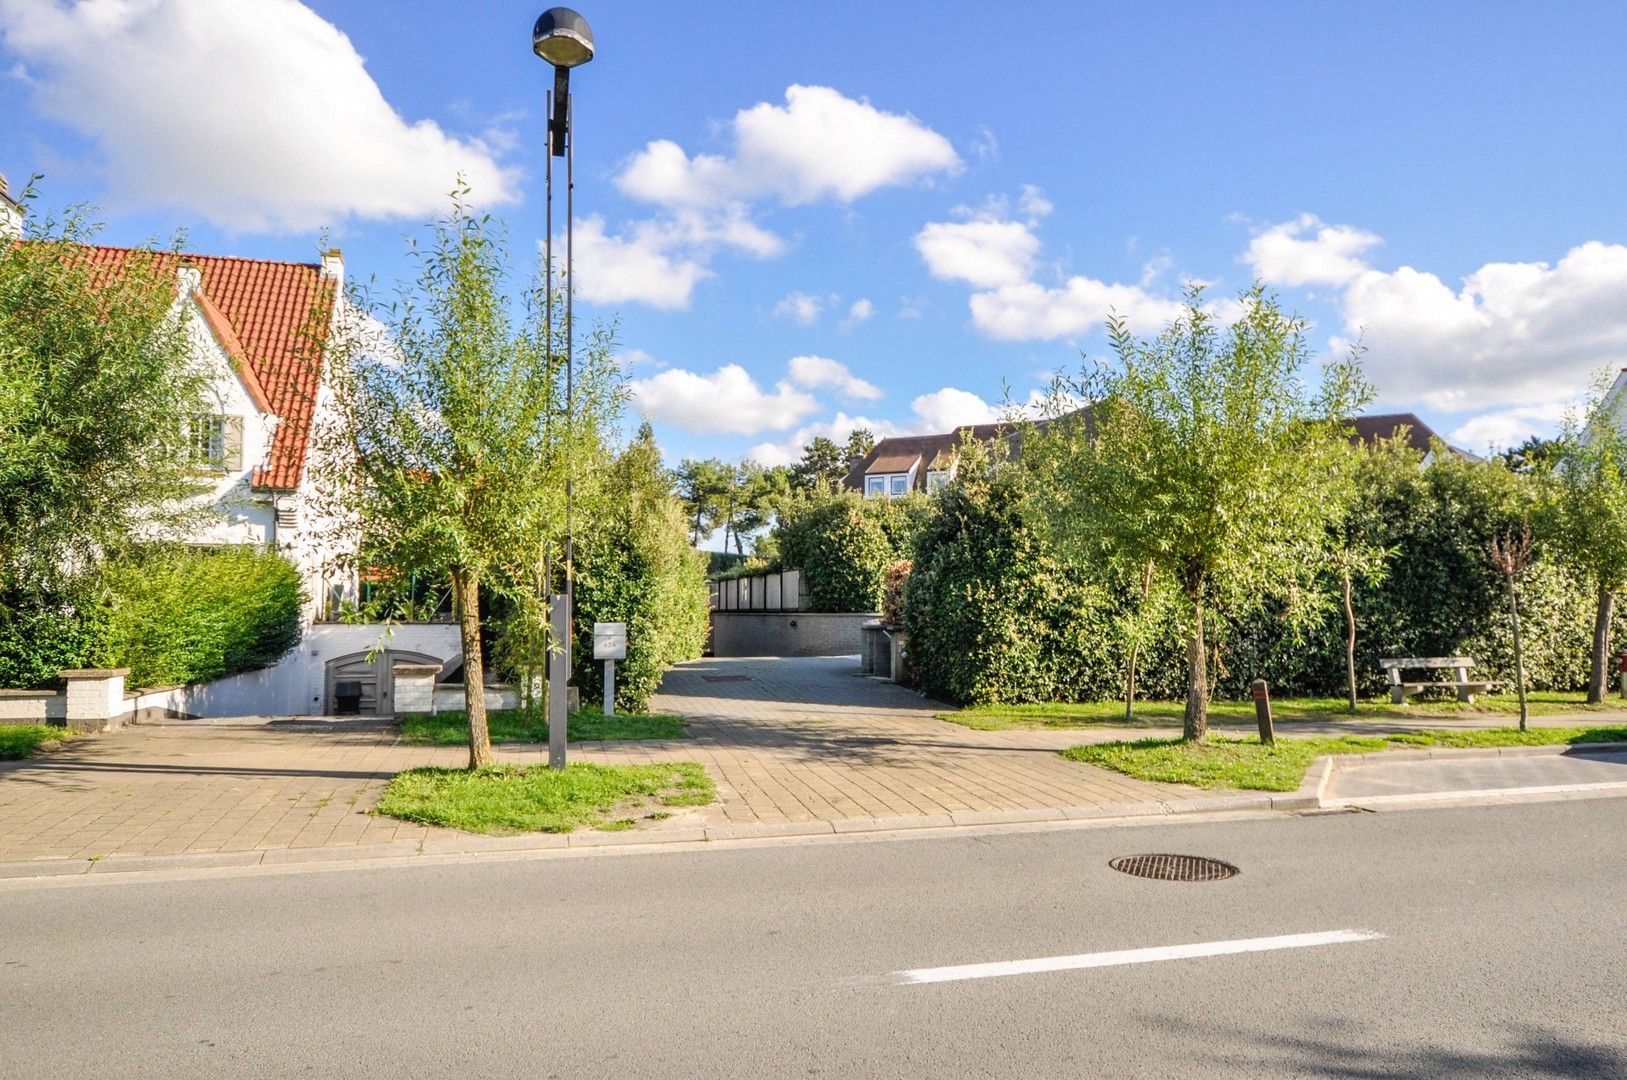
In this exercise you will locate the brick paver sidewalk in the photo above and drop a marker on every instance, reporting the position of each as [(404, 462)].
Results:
[(786, 740)]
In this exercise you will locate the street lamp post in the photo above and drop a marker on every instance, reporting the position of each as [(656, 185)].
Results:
[(561, 37)]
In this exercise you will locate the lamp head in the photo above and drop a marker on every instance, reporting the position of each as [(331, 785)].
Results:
[(563, 38)]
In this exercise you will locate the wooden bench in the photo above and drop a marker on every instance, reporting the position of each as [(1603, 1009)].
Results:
[(1466, 688)]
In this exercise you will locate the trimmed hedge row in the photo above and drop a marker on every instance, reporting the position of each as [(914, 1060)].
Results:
[(169, 615), (994, 616)]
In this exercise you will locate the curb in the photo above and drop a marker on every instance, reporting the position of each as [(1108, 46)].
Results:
[(468, 844), (1385, 757)]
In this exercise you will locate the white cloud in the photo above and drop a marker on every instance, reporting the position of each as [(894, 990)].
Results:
[(819, 145), (985, 254), (998, 255), (1033, 312), (1305, 251), (256, 115), (642, 267), (1515, 334), (1033, 203), (801, 307), (1506, 427), (950, 408), (788, 451), (860, 311), (726, 402), (813, 372)]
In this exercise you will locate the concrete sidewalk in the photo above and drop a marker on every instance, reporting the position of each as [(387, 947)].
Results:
[(795, 746), (1470, 774), (805, 744)]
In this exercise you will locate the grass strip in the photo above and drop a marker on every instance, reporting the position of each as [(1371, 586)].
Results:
[(18, 741), (1051, 714), (532, 798), (517, 726), (1224, 762)]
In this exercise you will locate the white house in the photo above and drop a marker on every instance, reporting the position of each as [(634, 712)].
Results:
[(261, 328)]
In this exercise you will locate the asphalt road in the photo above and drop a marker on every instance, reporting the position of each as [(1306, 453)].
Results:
[(1501, 955)]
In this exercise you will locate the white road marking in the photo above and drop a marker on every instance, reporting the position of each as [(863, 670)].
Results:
[(1121, 957)]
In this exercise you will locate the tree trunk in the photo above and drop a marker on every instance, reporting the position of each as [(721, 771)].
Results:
[(1350, 641), (1599, 675), (1519, 653), (1135, 648), (1196, 724), (466, 598)]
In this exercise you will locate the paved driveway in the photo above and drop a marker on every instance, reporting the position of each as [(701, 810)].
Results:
[(787, 740), (804, 739)]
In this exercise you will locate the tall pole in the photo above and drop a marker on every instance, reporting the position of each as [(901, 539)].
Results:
[(564, 39), (559, 622)]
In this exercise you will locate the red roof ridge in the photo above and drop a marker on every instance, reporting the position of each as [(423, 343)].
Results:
[(186, 256)]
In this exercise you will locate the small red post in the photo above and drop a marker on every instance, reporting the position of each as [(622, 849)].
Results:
[(1262, 711)]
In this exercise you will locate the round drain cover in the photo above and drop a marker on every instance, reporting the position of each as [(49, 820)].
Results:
[(1174, 867)]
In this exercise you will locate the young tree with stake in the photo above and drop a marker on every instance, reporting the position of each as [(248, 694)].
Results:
[(1206, 453), (451, 440)]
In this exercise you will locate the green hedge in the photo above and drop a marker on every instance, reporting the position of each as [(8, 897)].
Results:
[(995, 617), (171, 616), (44, 633), (188, 616), (843, 544), (635, 565), (992, 615)]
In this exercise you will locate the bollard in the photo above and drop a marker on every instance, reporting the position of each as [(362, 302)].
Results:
[(1621, 666), (1262, 711)]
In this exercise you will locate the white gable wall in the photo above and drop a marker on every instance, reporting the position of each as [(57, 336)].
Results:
[(244, 516)]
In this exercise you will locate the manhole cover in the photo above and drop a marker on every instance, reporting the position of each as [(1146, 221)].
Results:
[(727, 678), (1174, 867)]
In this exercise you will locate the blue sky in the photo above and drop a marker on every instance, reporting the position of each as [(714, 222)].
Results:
[(802, 215)]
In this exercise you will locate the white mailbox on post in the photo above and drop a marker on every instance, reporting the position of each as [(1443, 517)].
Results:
[(610, 645)]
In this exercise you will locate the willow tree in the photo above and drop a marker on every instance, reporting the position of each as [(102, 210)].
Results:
[(451, 434), (1207, 454), (1585, 515)]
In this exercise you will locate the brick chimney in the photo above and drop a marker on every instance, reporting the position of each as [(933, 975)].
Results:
[(333, 265)]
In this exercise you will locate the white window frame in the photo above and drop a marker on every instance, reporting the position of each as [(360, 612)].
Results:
[(875, 485), (898, 484), (937, 478)]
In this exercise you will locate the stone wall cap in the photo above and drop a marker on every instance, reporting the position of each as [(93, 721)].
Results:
[(94, 673), (416, 669), (30, 693)]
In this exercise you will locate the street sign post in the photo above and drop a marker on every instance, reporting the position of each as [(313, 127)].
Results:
[(609, 645)]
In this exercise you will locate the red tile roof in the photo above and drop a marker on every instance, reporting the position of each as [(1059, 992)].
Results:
[(272, 318)]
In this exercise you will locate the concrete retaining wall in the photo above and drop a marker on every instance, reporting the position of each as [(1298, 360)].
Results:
[(798, 633)]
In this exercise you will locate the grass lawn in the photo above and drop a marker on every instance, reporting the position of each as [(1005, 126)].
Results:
[(1168, 713), (18, 741), (1222, 762), (521, 798), (512, 725)]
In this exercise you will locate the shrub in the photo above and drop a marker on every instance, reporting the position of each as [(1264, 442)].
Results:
[(635, 565), (843, 544), (179, 616), (992, 615), (42, 633)]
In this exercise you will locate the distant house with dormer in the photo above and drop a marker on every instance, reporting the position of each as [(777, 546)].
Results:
[(902, 464)]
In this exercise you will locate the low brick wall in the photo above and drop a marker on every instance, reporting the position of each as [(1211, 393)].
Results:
[(792, 633)]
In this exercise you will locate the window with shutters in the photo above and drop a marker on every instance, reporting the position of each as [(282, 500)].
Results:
[(216, 442)]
